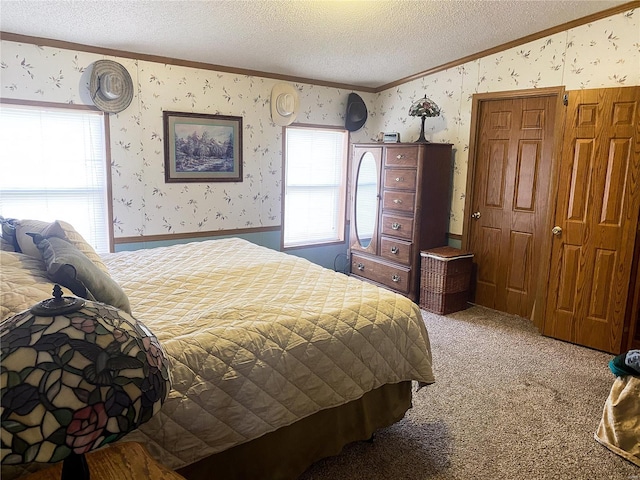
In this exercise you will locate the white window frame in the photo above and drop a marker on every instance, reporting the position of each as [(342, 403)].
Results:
[(93, 218), (306, 233)]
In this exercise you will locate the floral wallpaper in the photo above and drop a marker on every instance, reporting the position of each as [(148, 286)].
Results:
[(601, 54), (605, 53), (143, 204)]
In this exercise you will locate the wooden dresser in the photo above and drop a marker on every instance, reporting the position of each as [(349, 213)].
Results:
[(400, 202)]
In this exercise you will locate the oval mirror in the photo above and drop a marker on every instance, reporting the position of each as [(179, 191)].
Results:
[(366, 204)]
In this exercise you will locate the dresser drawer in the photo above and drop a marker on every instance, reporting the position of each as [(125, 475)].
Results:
[(400, 201), (400, 178), (397, 226), (393, 276), (395, 250), (401, 157)]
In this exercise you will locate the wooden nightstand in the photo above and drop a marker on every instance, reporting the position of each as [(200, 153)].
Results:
[(120, 461)]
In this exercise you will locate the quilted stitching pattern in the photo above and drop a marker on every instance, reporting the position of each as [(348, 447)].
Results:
[(23, 283), (259, 339)]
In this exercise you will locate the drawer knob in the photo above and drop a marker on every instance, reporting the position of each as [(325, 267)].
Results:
[(395, 226), (395, 250), (360, 266), (398, 201), (395, 278), (400, 156), (399, 179)]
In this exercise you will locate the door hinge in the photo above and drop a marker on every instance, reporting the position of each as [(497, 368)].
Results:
[(565, 99)]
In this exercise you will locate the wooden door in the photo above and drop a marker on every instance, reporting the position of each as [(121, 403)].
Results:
[(596, 217), (509, 207)]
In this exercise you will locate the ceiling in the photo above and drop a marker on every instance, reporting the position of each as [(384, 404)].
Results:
[(362, 43)]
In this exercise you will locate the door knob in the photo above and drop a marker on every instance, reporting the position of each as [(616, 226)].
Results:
[(476, 215), (557, 231)]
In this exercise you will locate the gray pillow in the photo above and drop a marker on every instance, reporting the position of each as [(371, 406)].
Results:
[(9, 233), (6, 246), (70, 267)]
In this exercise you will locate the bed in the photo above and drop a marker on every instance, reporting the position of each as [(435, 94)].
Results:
[(275, 361)]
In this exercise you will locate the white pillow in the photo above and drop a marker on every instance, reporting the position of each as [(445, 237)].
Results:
[(60, 229)]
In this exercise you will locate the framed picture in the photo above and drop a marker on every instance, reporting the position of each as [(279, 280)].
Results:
[(202, 148)]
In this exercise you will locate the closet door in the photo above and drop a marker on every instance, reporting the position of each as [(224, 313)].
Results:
[(509, 206), (596, 218)]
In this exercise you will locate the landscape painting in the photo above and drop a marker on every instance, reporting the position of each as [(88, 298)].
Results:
[(202, 148)]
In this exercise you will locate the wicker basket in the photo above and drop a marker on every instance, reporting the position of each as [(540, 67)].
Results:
[(443, 303), (444, 280), (437, 283)]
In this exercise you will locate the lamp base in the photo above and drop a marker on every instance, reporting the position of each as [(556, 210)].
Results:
[(75, 467), (421, 138)]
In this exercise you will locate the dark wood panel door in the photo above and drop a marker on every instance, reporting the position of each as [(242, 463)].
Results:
[(510, 199), (596, 218)]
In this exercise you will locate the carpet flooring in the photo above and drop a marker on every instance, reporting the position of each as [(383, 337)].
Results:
[(508, 403)]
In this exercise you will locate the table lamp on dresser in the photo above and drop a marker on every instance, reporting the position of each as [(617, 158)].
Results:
[(75, 376), (423, 108)]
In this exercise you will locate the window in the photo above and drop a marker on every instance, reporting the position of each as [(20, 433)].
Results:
[(53, 166), (315, 171)]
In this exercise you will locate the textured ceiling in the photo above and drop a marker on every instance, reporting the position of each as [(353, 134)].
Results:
[(359, 43)]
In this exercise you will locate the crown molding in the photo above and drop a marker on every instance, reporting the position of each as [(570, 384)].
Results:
[(514, 43), (48, 42)]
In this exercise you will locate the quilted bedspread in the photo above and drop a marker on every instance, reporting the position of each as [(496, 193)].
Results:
[(23, 282), (259, 339)]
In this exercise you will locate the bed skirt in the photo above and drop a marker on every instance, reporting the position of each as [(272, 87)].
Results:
[(287, 452)]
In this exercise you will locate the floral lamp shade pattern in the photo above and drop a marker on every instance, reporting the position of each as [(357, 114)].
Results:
[(425, 107), (72, 383)]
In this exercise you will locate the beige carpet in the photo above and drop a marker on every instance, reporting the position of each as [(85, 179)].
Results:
[(508, 403)]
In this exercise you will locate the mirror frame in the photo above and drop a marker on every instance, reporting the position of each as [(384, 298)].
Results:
[(358, 156)]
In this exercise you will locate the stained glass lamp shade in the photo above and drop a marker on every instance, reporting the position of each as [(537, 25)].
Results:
[(76, 375), (425, 107)]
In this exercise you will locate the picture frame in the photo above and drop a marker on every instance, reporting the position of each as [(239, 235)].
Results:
[(200, 147)]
